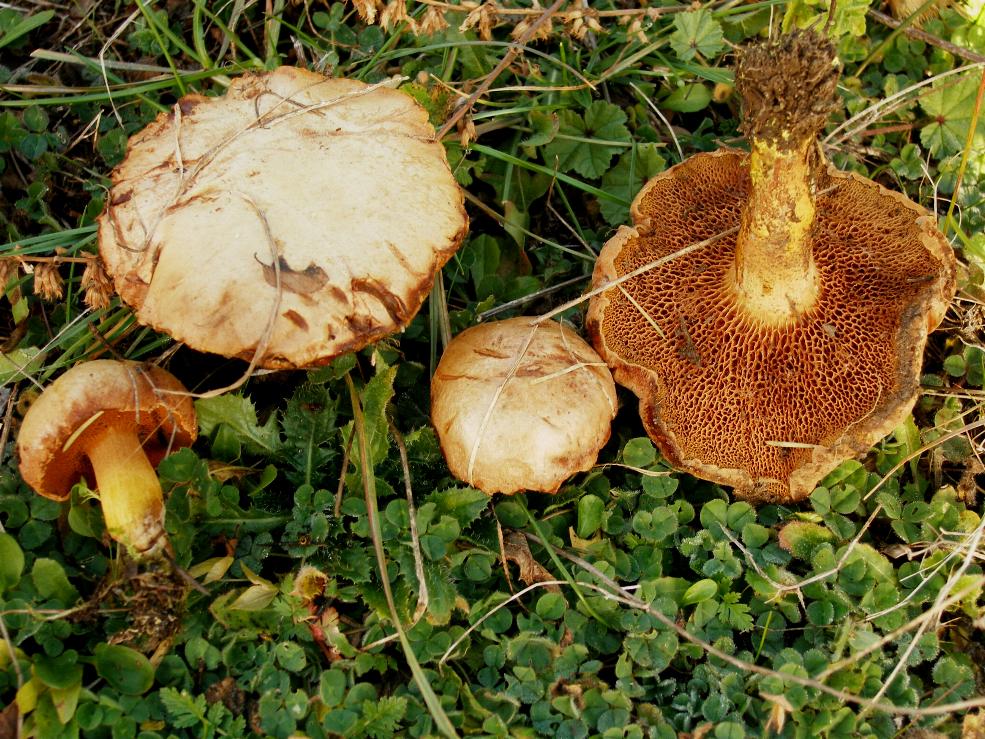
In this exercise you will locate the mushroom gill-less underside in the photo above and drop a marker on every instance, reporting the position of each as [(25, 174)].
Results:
[(292, 220), (767, 408)]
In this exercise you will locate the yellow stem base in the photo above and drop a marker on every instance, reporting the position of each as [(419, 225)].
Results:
[(133, 504)]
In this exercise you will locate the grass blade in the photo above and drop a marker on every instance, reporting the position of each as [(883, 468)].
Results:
[(369, 488)]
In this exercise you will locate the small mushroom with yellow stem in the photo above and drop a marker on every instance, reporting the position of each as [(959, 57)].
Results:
[(521, 405), (110, 422), (777, 322)]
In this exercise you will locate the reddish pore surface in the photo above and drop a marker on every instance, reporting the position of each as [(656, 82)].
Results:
[(718, 388)]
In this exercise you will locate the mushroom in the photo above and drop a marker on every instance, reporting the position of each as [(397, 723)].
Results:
[(290, 221), (782, 325), (521, 405), (110, 422)]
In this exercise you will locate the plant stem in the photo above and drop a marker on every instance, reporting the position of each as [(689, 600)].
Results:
[(372, 511)]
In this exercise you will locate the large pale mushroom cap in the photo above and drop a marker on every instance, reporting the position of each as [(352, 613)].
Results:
[(295, 218), (85, 401), (520, 406), (769, 409)]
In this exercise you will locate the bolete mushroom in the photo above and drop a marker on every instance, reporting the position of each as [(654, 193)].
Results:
[(292, 220), (110, 422), (789, 335), (520, 405)]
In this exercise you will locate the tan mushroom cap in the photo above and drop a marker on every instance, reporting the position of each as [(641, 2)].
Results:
[(520, 406), (86, 400), (770, 409), (296, 218)]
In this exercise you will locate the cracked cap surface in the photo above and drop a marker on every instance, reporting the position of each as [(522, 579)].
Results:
[(770, 410), (296, 218), (519, 407)]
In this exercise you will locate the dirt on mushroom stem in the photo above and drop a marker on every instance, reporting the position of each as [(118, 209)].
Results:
[(787, 88)]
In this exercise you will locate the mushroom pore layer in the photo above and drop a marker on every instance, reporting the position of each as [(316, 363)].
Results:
[(728, 392), (793, 339)]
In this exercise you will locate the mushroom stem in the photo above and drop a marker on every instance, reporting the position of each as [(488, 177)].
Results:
[(788, 88), (775, 279), (133, 504)]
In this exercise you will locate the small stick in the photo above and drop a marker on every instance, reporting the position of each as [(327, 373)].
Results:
[(507, 59), (422, 593)]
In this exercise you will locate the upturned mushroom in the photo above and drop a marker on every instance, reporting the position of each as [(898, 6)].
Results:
[(520, 405), (109, 422), (292, 220), (789, 336)]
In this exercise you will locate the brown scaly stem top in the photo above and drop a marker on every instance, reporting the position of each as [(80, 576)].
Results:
[(787, 86)]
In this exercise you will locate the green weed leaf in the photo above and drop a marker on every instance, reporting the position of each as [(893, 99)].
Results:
[(381, 718), (185, 710), (545, 125), (238, 414), (626, 179), (11, 562), (25, 26), (951, 104), (62, 671), (688, 98), (125, 669), (700, 591), (585, 144), (375, 396), (696, 32), (51, 582), (591, 509), (848, 21), (464, 505)]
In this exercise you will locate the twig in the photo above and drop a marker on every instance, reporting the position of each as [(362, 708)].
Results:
[(8, 417), (415, 539), (340, 490), (947, 588), (507, 59), (635, 273), (755, 565), (625, 596), (185, 577), (17, 669), (919, 33)]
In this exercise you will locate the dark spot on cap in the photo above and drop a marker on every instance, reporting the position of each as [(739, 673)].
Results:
[(188, 103), (297, 319), (308, 280), (394, 306)]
